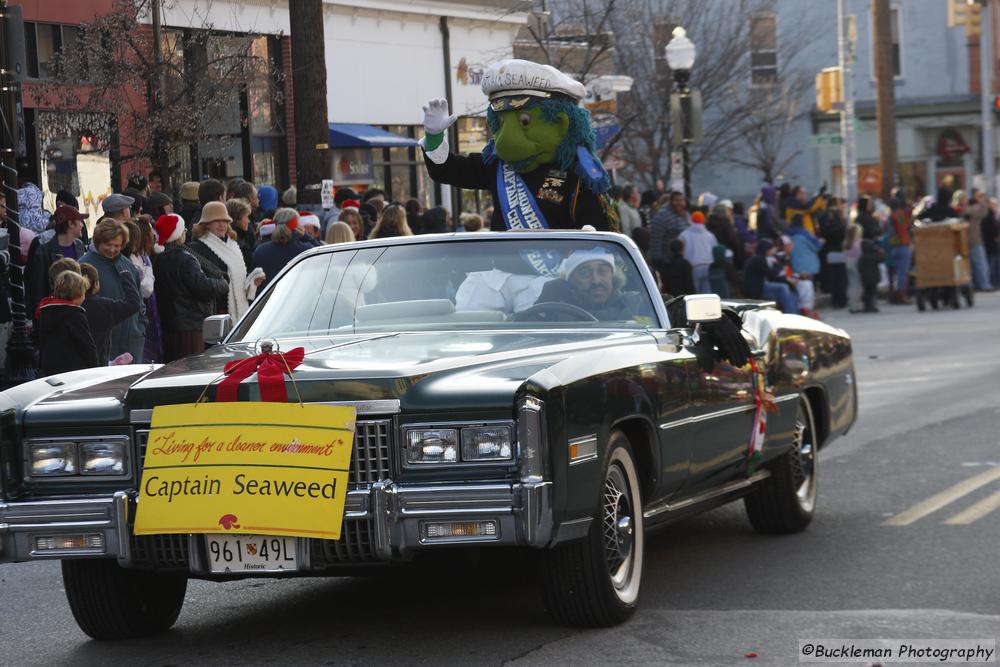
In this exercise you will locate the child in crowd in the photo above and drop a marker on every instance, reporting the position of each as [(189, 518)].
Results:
[(676, 273), (64, 333), (722, 274), (104, 314)]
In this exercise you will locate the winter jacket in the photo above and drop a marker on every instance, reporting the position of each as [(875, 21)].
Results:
[(184, 294), (272, 257), (975, 215), (191, 212), (991, 232), (871, 256), (698, 244), (807, 209), (666, 225), (41, 255), (630, 219), (756, 272), (805, 251), (224, 258), (64, 336), (247, 241), (676, 276), (130, 334), (870, 227), (103, 314), (722, 274)]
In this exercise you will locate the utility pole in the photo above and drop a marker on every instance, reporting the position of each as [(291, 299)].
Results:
[(305, 18), (20, 366), (986, 95), (885, 94), (845, 56), (156, 99)]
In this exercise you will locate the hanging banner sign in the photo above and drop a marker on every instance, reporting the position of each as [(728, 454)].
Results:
[(257, 468)]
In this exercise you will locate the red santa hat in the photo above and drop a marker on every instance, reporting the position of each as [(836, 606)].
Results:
[(169, 228)]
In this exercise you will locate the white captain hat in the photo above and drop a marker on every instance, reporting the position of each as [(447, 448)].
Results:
[(514, 84)]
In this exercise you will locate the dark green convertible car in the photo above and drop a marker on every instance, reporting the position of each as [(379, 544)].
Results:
[(530, 389)]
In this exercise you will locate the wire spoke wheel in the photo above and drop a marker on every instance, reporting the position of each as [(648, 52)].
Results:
[(618, 526), (802, 464)]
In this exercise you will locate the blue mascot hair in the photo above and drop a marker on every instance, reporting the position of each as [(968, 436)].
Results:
[(579, 135)]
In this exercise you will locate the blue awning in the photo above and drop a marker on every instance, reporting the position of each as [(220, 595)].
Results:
[(357, 135)]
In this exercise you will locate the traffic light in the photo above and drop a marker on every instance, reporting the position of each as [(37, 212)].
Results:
[(964, 13), (828, 94)]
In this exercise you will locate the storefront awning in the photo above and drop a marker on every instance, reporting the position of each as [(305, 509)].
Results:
[(357, 135)]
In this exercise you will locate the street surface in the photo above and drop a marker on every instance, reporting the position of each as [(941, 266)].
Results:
[(904, 546)]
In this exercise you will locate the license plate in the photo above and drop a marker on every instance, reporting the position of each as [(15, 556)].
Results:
[(251, 553)]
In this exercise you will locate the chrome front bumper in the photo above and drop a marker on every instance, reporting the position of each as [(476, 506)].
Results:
[(396, 513)]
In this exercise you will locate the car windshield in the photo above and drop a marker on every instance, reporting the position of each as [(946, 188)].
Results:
[(457, 285)]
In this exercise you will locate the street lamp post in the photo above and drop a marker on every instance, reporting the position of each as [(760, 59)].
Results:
[(680, 52)]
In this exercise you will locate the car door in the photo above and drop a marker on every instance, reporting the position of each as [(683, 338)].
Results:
[(722, 395), (675, 415)]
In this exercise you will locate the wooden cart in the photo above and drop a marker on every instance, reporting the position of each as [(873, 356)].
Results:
[(941, 259)]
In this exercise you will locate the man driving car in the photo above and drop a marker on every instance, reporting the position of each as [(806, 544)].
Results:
[(588, 280)]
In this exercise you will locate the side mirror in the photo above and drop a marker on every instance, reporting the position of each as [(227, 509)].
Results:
[(215, 328), (701, 308)]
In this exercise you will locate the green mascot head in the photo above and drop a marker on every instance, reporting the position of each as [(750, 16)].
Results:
[(536, 120)]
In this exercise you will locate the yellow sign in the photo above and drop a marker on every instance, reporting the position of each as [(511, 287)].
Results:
[(259, 468)]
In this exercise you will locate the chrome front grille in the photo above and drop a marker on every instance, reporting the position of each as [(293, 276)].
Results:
[(371, 461), (354, 546)]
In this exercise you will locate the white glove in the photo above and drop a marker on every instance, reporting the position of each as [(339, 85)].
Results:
[(436, 118)]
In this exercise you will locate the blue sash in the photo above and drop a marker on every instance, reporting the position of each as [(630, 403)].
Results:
[(521, 213), (520, 210)]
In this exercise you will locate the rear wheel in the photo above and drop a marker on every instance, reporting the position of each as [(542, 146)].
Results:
[(786, 501), (594, 582), (111, 602)]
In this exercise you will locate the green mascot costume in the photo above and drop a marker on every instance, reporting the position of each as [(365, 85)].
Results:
[(540, 166)]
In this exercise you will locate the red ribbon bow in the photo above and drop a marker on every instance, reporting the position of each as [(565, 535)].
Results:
[(270, 367)]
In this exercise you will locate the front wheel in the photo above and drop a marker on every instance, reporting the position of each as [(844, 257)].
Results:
[(594, 582), (786, 501), (111, 602)]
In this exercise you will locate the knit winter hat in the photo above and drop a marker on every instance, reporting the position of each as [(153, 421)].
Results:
[(573, 262), (309, 220), (698, 218), (169, 228)]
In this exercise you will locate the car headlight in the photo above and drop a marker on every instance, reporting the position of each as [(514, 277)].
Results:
[(50, 459), (439, 445), (102, 458), (459, 444), (90, 456), (486, 443)]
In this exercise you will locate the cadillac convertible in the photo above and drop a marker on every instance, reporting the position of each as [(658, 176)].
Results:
[(529, 389)]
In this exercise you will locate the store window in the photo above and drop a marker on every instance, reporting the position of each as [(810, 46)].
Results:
[(398, 169), (763, 49), (75, 157), (42, 41)]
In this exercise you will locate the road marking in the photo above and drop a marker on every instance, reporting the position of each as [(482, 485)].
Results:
[(977, 511), (946, 497)]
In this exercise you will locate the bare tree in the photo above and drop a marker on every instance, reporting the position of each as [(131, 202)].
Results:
[(159, 104), (745, 123)]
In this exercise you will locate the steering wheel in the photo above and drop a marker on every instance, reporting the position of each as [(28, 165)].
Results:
[(537, 312)]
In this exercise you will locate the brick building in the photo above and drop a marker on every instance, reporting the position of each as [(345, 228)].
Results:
[(384, 60)]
